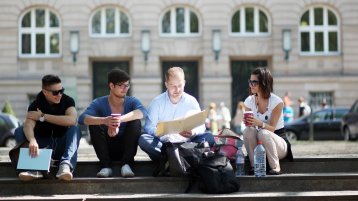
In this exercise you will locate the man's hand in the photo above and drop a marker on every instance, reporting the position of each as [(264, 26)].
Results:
[(33, 148), (34, 115), (186, 134), (113, 124)]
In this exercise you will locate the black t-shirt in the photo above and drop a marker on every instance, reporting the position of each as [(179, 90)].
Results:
[(45, 129)]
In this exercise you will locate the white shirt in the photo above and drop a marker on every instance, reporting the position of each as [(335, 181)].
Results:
[(273, 101), (162, 109)]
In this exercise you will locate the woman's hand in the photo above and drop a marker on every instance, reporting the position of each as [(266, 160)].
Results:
[(253, 121)]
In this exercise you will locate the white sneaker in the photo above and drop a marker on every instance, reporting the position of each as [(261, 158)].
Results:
[(126, 171), (30, 175), (105, 172), (64, 172)]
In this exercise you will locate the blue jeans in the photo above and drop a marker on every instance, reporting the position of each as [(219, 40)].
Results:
[(64, 148), (152, 145)]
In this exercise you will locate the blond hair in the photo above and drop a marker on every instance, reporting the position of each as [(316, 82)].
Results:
[(174, 72)]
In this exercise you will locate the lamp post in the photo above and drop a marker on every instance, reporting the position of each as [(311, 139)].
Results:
[(74, 44), (286, 42), (216, 43), (145, 44)]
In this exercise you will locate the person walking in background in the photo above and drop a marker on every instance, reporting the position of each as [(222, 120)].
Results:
[(51, 123), (225, 116), (213, 118), (238, 122), (287, 99), (115, 138), (173, 104), (324, 104), (266, 124), (304, 109), (288, 113)]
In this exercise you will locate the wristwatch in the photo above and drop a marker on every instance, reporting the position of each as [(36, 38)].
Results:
[(42, 118)]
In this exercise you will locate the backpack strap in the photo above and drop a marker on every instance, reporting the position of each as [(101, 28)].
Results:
[(162, 167)]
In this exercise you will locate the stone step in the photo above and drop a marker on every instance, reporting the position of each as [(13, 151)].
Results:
[(145, 168), (242, 196), (176, 185)]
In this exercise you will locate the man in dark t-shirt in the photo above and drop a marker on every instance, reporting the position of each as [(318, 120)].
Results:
[(51, 123)]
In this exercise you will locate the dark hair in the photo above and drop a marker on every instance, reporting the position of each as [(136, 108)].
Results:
[(265, 80), (49, 80), (117, 76)]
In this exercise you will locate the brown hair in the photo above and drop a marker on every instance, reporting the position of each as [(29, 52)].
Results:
[(265, 80)]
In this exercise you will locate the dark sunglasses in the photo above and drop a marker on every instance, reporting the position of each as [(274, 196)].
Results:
[(56, 92), (253, 83)]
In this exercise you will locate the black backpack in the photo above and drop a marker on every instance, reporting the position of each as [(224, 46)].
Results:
[(183, 158), (215, 175), (211, 170)]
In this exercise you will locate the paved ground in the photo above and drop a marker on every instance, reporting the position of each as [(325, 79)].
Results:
[(300, 149)]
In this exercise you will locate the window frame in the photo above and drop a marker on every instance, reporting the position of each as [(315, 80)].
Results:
[(325, 29), (256, 32), (103, 33), (187, 10), (46, 30)]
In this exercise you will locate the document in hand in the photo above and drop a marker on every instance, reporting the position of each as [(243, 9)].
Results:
[(41, 162), (184, 124)]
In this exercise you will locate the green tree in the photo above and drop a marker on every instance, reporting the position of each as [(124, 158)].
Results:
[(8, 109)]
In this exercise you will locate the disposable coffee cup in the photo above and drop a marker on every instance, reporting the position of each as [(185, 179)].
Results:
[(114, 115), (248, 114)]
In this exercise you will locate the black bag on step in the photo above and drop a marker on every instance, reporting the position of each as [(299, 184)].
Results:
[(215, 175)]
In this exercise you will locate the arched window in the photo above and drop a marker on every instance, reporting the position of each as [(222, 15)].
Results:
[(109, 21), (39, 33), (250, 21), (319, 31), (180, 21)]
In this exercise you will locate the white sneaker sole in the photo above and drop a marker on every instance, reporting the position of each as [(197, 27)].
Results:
[(65, 176), (128, 174), (29, 177)]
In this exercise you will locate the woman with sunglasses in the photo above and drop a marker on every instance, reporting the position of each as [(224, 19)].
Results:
[(267, 123)]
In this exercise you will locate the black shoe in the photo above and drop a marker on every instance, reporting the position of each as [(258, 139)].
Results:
[(251, 171), (273, 172)]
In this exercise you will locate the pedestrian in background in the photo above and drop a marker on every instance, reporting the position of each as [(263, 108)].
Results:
[(225, 116), (303, 108), (213, 117), (288, 113), (238, 122)]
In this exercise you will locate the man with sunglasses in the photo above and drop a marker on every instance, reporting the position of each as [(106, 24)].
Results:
[(51, 123), (115, 137)]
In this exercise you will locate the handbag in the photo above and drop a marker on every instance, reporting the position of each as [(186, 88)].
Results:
[(228, 142)]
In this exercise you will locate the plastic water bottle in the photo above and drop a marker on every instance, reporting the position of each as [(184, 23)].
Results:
[(240, 163), (260, 160)]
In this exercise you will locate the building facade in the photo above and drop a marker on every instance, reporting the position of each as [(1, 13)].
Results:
[(310, 46)]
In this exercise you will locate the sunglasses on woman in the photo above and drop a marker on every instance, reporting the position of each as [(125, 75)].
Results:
[(253, 83)]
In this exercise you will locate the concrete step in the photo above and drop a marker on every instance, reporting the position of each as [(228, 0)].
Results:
[(145, 168), (242, 196), (175, 185)]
